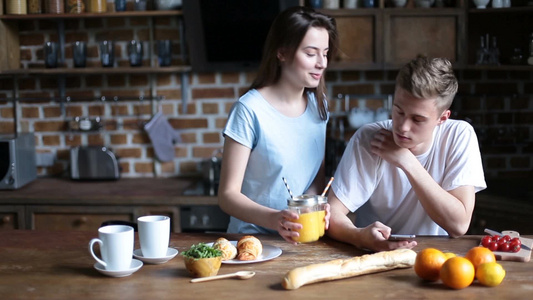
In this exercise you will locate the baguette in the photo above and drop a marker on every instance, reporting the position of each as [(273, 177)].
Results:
[(345, 268)]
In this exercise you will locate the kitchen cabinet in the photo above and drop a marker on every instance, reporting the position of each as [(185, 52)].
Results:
[(388, 37), (512, 27), (62, 204), (11, 217), (65, 218)]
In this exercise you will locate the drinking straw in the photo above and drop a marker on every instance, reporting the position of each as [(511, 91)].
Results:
[(287, 186), (327, 187)]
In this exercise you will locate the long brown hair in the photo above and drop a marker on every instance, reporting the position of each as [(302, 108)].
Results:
[(287, 32)]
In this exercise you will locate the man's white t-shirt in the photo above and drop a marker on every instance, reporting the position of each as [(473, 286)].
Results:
[(379, 191)]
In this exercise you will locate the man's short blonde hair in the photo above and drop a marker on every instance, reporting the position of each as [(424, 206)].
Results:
[(426, 78)]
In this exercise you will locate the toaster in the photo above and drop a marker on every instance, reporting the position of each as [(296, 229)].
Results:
[(93, 163)]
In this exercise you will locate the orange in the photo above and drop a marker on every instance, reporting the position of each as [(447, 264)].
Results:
[(490, 274), (428, 263), (457, 273), (449, 254), (479, 255)]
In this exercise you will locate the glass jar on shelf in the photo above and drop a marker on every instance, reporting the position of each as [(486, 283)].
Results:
[(34, 7), (98, 6), (55, 6), (75, 6)]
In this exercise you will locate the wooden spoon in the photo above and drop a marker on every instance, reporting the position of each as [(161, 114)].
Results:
[(240, 275)]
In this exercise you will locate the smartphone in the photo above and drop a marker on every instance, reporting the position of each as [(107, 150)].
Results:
[(401, 237)]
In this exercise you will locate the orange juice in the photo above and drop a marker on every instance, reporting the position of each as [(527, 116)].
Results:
[(310, 230), (321, 222), (321, 209)]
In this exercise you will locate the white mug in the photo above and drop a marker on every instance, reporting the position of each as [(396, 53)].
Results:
[(154, 235), (116, 247)]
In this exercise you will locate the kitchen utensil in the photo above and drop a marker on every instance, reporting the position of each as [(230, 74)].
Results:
[(524, 255), (240, 275)]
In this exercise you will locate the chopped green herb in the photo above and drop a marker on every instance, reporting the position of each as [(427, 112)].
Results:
[(202, 250)]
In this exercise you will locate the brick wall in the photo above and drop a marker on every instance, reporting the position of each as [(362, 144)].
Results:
[(496, 104)]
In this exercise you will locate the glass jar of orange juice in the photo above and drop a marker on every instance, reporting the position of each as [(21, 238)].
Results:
[(321, 213), (306, 208)]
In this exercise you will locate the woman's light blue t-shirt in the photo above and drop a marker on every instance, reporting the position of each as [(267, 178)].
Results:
[(281, 146)]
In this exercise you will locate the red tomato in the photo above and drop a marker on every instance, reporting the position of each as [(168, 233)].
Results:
[(485, 241), (493, 246), (495, 237), (516, 240), (505, 247), (506, 238), (515, 248)]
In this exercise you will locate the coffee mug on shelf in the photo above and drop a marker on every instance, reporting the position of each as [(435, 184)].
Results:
[(107, 53), (79, 54), (154, 235), (164, 52), (51, 50), (116, 247), (135, 53)]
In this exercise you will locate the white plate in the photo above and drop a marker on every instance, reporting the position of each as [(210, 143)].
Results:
[(171, 252), (269, 252), (135, 265)]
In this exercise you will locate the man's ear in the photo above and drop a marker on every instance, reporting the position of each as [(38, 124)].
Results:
[(444, 116)]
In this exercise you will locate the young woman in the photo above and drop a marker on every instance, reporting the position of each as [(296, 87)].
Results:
[(278, 128)]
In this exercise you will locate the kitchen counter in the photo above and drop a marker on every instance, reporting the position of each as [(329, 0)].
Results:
[(167, 191), (64, 204), (52, 265)]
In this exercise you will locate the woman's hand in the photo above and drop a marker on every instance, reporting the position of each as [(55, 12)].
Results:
[(285, 227)]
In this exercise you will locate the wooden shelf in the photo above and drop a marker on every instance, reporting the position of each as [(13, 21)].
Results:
[(91, 71), (122, 14), (501, 67), (503, 10)]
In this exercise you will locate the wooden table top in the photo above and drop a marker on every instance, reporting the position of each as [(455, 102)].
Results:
[(57, 265)]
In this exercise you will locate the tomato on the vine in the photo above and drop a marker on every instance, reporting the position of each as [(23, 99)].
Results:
[(505, 247), (493, 246), (516, 240), (486, 241), (506, 238)]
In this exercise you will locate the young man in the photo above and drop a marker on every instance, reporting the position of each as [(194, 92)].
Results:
[(415, 174)]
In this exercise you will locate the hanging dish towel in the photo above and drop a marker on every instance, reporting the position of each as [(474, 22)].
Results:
[(163, 137)]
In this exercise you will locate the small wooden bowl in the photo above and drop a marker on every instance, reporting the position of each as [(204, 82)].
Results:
[(203, 267)]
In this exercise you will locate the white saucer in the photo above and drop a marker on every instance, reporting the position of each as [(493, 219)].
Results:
[(135, 265), (171, 252)]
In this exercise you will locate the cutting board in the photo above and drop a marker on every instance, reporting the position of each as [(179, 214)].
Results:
[(524, 255)]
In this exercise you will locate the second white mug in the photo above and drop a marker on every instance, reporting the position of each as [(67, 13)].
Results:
[(154, 235)]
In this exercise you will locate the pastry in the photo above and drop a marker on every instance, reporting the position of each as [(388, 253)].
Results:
[(229, 251), (345, 268), (249, 248)]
